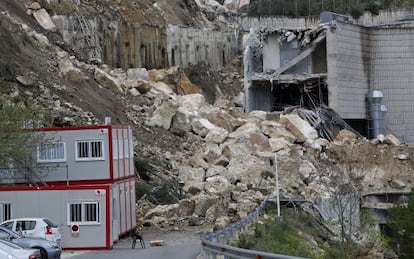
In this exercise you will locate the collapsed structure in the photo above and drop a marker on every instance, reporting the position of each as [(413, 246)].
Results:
[(361, 72)]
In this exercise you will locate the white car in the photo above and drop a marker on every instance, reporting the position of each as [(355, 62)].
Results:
[(34, 227), (11, 250)]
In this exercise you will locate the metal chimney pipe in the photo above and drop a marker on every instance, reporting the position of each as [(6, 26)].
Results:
[(376, 113)]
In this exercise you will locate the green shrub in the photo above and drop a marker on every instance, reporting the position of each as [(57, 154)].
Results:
[(142, 188), (373, 7), (357, 11)]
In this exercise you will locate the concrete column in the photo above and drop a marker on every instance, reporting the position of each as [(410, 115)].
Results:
[(331, 55)]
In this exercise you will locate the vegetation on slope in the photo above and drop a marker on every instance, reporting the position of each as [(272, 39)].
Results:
[(15, 147), (401, 228), (300, 8), (297, 233)]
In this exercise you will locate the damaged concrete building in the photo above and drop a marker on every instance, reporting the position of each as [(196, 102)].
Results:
[(363, 73)]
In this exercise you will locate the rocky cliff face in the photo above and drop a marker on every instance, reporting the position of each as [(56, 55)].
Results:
[(192, 120)]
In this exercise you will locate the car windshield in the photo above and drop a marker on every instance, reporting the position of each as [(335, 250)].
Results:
[(12, 245), (7, 233)]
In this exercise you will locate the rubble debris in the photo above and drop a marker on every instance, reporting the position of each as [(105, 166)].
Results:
[(157, 243), (326, 121)]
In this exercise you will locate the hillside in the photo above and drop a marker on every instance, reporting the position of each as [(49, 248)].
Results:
[(189, 124)]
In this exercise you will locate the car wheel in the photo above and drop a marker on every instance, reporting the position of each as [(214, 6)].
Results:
[(43, 254)]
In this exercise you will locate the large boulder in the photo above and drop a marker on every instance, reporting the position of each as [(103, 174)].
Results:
[(216, 170), (163, 114), (274, 129), (300, 128), (246, 167), (69, 71), (251, 134), (236, 148), (222, 119), (187, 173), (198, 160), (217, 185), (203, 203), (136, 74), (160, 88), (43, 18), (234, 5), (191, 104), (216, 135), (212, 152), (202, 126), (108, 81), (186, 87), (141, 86)]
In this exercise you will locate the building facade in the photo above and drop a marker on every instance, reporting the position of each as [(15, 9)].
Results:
[(339, 64), (87, 187)]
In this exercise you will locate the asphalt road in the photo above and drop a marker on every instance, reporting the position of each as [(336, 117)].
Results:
[(178, 245)]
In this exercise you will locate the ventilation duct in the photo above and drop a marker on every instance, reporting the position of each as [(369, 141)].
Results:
[(376, 113)]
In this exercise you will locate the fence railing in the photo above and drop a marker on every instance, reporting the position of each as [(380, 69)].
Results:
[(215, 244)]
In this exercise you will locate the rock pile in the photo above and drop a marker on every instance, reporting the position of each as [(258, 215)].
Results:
[(221, 154)]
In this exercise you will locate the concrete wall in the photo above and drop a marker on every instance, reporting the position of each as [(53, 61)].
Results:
[(187, 46), (392, 67), (247, 23), (363, 58), (130, 44), (348, 59), (271, 52), (71, 32)]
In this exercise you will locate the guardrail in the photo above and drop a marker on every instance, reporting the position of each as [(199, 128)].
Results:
[(215, 244)]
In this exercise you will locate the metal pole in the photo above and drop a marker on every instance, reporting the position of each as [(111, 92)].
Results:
[(277, 187)]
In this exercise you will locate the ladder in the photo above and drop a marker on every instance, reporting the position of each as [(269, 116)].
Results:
[(94, 51)]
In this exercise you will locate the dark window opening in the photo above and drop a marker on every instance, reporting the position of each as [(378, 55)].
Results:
[(172, 57), (309, 95), (360, 125)]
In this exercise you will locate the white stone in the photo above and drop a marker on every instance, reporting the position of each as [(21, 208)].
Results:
[(107, 80), (161, 87), (137, 74), (134, 92), (300, 128), (216, 135), (162, 116), (43, 18)]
